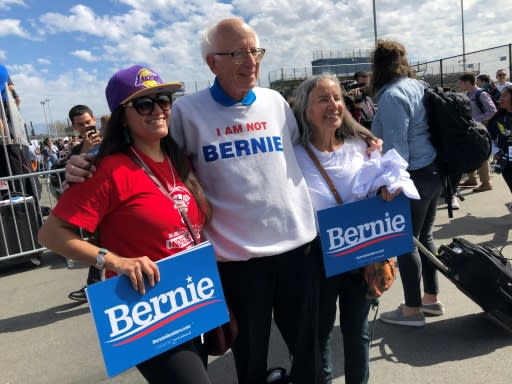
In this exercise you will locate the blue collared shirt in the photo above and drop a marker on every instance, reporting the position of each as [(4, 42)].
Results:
[(224, 99)]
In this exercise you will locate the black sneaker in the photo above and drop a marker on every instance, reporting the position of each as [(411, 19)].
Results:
[(79, 295), (45, 211)]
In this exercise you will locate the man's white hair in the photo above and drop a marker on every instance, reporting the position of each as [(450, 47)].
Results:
[(209, 34)]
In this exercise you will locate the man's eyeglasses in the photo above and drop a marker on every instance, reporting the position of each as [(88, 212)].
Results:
[(146, 105), (240, 55), (501, 74)]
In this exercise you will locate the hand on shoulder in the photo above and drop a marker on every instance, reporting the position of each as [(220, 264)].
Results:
[(79, 168), (374, 145)]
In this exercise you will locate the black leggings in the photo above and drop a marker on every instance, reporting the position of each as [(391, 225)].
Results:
[(184, 364), (94, 275), (414, 266)]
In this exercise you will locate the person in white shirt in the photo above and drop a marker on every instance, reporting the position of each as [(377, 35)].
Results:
[(330, 134), (502, 77), (34, 152)]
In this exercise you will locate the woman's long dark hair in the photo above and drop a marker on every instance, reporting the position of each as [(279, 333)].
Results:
[(389, 63), (115, 141)]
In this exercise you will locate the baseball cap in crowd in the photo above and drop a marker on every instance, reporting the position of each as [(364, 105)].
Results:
[(133, 82)]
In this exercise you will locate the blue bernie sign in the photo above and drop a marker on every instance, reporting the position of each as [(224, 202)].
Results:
[(187, 302), (363, 232)]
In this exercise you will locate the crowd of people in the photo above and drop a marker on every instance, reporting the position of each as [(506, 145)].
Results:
[(48, 152), (198, 182)]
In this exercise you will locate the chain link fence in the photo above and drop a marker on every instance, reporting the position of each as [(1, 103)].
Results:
[(445, 72)]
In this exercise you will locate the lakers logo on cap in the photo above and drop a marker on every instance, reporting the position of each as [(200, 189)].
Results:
[(147, 78)]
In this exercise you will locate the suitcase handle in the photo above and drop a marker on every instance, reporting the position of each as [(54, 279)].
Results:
[(429, 255)]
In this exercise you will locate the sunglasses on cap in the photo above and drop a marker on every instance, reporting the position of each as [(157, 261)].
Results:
[(145, 105)]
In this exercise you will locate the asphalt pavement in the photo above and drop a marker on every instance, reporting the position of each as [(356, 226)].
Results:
[(46, 338)]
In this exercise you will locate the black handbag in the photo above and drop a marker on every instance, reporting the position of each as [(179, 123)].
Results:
[(217, 341)]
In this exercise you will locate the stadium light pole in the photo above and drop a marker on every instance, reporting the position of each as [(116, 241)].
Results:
[(43, 102), (52, 122), (463, 40), (375, 23)]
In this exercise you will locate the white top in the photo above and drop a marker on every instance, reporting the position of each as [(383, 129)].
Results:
[(32, 150), (244, 159), (341, 165), (501, 87)]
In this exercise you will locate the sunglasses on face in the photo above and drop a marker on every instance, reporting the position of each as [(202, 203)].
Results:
[(146, 105)]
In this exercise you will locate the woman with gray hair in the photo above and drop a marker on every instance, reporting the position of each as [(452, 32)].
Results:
[(331, 135)]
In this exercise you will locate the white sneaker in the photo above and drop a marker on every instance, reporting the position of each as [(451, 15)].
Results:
[(455, 203)]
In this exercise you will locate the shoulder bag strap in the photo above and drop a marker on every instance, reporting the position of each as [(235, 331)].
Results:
[(152, 176), (324, 174)]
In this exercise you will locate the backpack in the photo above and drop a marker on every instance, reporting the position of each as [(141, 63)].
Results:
[(494, 97), (462, 144)]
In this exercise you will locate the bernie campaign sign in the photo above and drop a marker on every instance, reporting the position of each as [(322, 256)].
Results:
[(360, 233), (187, 302)]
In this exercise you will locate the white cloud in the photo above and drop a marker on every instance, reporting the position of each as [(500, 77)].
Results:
[(7, 4), (12, 27), (83, 19), (76, 86), (85, 55), (2, 55), (44, 61)]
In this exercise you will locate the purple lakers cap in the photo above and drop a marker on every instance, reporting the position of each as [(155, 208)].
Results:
[(133, 82)]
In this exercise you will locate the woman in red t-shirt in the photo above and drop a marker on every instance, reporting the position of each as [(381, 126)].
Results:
[(140, 220)]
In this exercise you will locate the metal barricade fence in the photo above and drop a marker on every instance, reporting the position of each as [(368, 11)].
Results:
[(22, 213)]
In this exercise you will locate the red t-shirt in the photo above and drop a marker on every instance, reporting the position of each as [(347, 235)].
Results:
[(133, 216)]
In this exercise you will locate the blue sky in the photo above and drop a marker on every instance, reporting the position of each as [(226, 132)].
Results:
[(65, 51)]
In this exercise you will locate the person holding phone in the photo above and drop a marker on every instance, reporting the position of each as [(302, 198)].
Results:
[(83, 121)]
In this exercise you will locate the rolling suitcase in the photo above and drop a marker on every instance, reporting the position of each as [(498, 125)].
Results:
[(480, 272)]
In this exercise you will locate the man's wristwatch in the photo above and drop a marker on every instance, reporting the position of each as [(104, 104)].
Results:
[(100, 258)]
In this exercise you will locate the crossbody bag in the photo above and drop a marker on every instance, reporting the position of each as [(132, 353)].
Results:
[(217, 341), (378, 276)]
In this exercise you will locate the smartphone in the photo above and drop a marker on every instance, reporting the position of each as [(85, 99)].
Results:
[(91, 129)]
